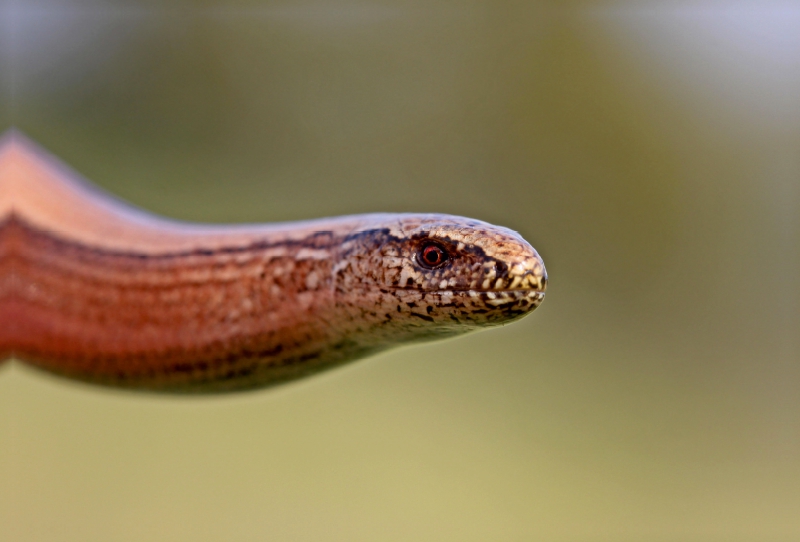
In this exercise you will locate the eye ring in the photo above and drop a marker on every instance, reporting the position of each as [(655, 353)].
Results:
[(432, 255)]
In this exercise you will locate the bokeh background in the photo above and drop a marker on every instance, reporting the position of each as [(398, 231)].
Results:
[(649, 150)]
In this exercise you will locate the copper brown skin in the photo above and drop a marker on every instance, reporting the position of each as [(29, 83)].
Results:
[(95, 290)]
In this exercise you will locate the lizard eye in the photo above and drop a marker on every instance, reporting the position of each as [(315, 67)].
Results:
[(431, 255)]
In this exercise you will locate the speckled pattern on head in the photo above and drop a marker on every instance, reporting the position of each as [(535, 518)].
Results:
[(491, 275), (93, 289)]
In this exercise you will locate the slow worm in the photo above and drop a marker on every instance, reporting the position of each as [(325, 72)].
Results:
[(97, 290)]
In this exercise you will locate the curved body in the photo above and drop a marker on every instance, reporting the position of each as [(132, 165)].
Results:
[(94, 289)]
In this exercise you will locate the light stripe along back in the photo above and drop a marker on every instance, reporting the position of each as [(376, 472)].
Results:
[(94, 289)]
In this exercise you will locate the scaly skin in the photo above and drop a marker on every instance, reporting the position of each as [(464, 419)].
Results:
[(95, 290)]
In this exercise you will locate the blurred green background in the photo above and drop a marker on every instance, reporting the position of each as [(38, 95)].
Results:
[(650, 151)]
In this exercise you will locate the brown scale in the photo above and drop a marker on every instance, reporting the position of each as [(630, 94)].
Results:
[(96, 290)]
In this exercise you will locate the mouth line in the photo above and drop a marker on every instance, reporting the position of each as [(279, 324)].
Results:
[(474, 290), (518, 290)]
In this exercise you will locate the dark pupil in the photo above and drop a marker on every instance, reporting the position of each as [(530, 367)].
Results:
[(432, 255)]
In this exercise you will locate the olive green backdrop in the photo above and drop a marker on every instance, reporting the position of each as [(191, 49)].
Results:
[(650, 151)]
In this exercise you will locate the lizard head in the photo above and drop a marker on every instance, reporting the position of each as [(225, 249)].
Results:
[(436, 275)]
